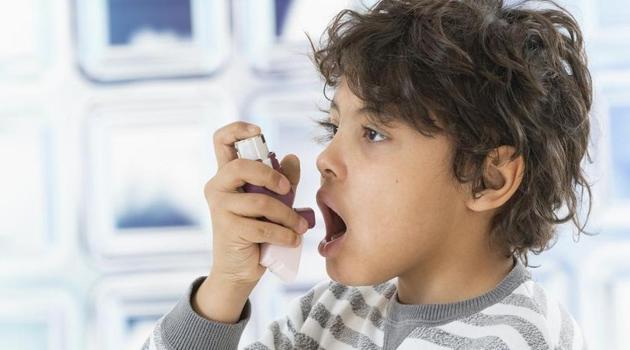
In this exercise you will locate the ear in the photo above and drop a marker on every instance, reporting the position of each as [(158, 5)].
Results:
[(501, 179)]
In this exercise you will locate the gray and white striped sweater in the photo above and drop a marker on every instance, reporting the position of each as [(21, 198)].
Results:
[(517, 314)]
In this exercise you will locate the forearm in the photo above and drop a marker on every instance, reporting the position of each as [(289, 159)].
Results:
[(185, 328)]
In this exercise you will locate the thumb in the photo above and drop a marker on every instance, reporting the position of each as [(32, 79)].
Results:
[(290, 167)]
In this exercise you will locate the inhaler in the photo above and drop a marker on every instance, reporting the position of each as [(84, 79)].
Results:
[(281, 260)]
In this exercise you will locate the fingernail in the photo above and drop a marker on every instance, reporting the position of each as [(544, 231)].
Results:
[(298, 240), (252, 128), (303, 226)]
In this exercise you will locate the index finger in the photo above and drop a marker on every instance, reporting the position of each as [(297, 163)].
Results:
[(225, 137)]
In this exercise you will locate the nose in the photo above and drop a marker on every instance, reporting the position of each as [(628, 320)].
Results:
[(330, 163)]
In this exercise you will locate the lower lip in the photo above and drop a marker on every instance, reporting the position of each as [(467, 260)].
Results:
[(330, 249)]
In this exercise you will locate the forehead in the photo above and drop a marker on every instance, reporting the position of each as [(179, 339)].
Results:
[(346, 103), (344, 98)]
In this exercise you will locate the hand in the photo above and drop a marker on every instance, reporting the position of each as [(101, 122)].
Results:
[(236, 231)]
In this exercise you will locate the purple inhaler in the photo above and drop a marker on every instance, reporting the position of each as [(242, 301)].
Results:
[(281, 260)]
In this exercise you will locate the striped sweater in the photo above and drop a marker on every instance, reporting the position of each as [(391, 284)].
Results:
[(516, 314)]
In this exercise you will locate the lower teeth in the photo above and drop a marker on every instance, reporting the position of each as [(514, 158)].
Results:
[(336, 235)]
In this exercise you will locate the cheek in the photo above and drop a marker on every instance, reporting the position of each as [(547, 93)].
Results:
[(407, 219), (396, 220)]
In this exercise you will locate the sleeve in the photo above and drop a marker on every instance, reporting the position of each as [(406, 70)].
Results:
[(286, 332), (183, 328), (571, 336)]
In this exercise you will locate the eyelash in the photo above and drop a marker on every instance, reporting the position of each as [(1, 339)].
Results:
[(330, 131)]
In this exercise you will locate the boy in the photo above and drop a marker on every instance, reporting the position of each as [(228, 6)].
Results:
[(457, 130)]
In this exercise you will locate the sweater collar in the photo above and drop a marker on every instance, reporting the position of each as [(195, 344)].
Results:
[(433, 314)]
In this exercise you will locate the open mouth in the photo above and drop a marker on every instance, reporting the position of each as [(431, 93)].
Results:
[(335, 226)]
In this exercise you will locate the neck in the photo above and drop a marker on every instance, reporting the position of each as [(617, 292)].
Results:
[(453, 276)]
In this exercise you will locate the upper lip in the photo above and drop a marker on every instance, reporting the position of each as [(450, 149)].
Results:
[(326, 205)]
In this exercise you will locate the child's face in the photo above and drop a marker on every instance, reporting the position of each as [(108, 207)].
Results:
[(395, 194)]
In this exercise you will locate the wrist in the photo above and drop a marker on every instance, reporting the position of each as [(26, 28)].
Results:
[(219, 300)]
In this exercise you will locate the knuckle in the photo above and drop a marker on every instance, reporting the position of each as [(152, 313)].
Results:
[(217, 133), (241, 124), (261, 201), (230, 168), (292, 239), (214, 200), (265, 233), (238, 164), (208, 189)]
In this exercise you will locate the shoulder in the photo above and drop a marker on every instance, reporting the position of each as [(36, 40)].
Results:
[(540, 315)]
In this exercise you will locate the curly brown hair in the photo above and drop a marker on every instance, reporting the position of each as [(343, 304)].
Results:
[(494, 74)]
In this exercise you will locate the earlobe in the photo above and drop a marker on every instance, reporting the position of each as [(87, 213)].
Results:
[(502, 177)]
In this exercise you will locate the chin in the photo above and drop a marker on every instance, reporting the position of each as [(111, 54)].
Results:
[(351, 275)]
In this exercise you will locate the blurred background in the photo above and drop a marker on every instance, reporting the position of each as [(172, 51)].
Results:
[(107, 110)]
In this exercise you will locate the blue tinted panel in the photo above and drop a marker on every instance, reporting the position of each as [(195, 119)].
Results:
[(128, 19), (155, 176), (620, 150), (282, 8), (160, 212)]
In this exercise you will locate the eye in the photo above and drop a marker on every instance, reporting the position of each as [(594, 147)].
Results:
[(372, 132), (331, 130)]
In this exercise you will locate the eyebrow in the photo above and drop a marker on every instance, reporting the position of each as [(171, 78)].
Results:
[(367, 110)]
